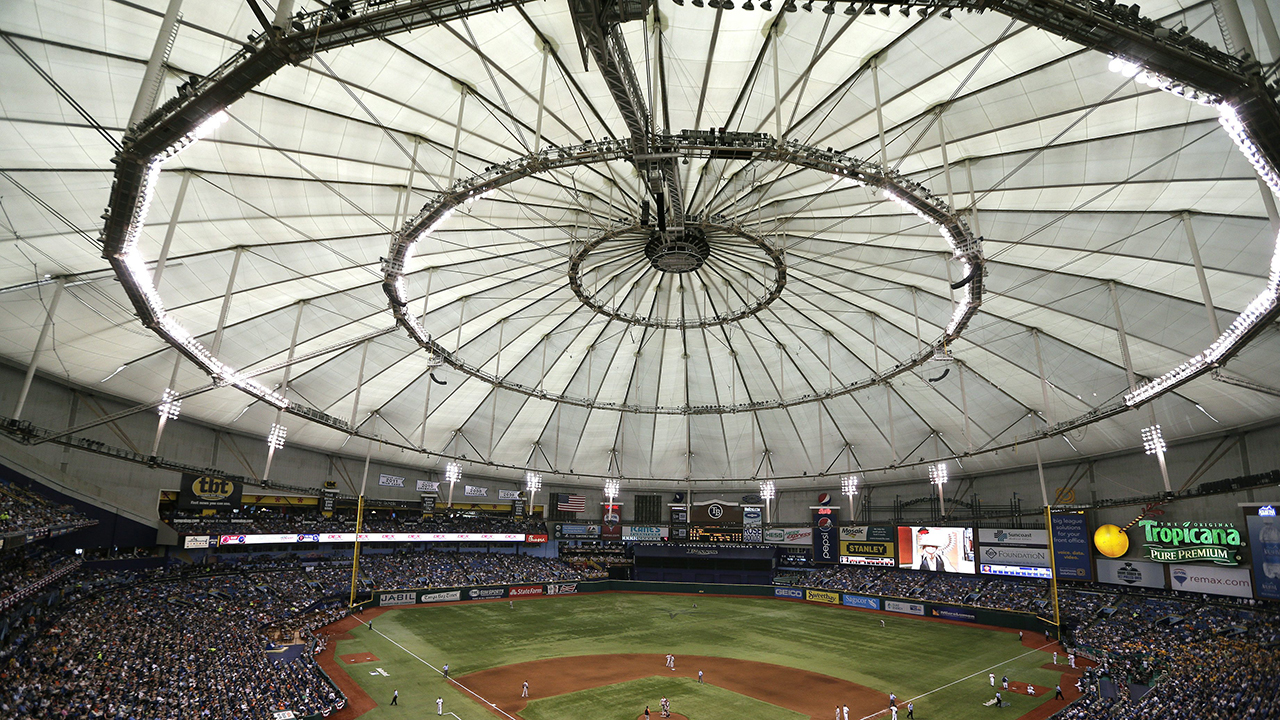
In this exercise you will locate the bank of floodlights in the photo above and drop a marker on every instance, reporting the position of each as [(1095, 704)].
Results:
[(275, 439), (452, 472), (532, 482), (767, 490), (938, 474), (170, 405), (611, 490), (849, 485), (1153, 440)]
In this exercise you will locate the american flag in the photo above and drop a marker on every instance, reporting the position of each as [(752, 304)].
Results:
[(571, 503)]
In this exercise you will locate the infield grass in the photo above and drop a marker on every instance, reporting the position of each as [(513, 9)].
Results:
[(625, 701), (909, 657)]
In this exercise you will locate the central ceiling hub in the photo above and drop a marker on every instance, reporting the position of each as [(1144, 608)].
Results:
[(678, 251)]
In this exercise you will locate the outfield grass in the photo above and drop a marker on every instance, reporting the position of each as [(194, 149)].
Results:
[(624, 701), (909, 657)]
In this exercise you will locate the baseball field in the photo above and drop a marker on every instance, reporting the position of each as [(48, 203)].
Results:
[(602, 657)]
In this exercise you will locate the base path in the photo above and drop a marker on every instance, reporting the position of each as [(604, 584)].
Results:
[(800, 690)]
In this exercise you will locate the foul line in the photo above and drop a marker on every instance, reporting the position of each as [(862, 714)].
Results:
[(447, 679), (966, 677)]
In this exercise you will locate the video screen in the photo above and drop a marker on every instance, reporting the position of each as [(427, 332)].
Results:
[(936, 549)]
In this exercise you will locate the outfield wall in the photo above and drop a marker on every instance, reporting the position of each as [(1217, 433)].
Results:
[(903, 606)]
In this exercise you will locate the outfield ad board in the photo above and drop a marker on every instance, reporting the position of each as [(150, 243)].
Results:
[(1071, 553), (341, 538), (950, 613), (1264, 544), (860, 601), (822, 596), (908, 608), (789, 592), (1132, 573), (561, 531)]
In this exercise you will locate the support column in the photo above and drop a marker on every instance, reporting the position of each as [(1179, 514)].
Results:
[(875, 84), (964, 406), (283, 10), (152, 76), (973, 199), (284, 384), (35, 354), (457, 136), (169, 231), (226, 304), (946, 167), (777, 87), (355, 404), (1124, 340), (1204, 283), (1268, 24), (542, 93)]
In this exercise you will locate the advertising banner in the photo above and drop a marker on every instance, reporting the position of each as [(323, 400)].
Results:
[(391, 481), (1042, 573), (486, 593), (397, 598), (789, 536), (947, 613), (860, 601), (716, 512), (195, 542), (864, 560), (435, 597), (752, 524), (476, 491), (1071, 554), (936, 549), (370, 537), (643, 532), (1131, 572), (679, 515), (517, 508), (826, 535), (788, 592), (1211, 580), (525, 591), (207, 492), (795, 556), (1009, 555), (562, 531), (428, 504), (427, 486), (611, 528), (1166, 542), (909, 608), (508, 494), (562, 589), (536, 538), (822, 596), (870, 533), (867, 549), (328, 500), (1023, 538), (1264, 542)]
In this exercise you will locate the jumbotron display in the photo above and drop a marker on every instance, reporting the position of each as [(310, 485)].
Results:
[(936, 549)]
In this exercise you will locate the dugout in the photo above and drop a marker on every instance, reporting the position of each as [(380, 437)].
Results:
[(703, 563)]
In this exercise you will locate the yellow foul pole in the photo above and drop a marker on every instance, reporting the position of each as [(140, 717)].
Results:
[(1053, 569)]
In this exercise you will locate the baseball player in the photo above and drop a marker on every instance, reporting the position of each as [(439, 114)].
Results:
[(1004, 680), (646, 712), (993, 679), (1071, 659), (673, 661), (882, 623), (1031, 690), (666, 706), (699, 677), (524, 689), (846, 712), (893, 700), (1057, 693), (894, 710), (395, 697), (1055, 657), (837, 712), (439, 706), (446, 671)]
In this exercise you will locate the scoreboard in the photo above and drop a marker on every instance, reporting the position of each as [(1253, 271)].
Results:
[(715, 534)]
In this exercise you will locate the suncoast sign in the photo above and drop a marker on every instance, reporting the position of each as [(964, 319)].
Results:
[(1191, 542)]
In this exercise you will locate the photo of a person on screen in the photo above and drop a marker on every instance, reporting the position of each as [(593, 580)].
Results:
[(933, 544)]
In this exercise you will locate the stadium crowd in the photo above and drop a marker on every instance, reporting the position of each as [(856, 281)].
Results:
[(454, 569), (24, 511), (28, 570), (998, 593)]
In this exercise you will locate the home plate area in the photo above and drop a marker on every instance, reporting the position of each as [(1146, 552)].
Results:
[(358, 658)]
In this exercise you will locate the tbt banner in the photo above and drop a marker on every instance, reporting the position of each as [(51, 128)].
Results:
[(207, 492)]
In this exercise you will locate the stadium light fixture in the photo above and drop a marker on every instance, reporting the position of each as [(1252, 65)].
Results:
[(275, 439), (532, 484), (611, 490), (849, 486), (768, 492), (170, 405), (1153, 444), (452, 474), (938, 476)]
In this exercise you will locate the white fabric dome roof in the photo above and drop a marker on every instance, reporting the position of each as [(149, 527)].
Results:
[(1083, 184)]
